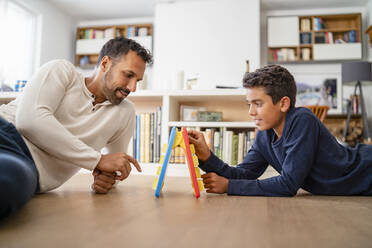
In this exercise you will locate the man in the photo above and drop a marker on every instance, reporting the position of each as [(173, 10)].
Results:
[(63, 120)]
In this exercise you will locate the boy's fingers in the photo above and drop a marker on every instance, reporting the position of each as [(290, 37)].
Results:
[(192, 140), (207, 180), (207, 175)]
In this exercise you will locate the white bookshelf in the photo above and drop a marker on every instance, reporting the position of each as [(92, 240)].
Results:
[(231, 102), (247, 124)]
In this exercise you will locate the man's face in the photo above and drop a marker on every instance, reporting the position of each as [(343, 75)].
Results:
[(122, 77), (265, 114)]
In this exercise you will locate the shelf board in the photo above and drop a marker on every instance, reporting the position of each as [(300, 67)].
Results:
[(9, 95), (312, 61), (146, 95), (336, 30), (209, 92), (279, 47), (87, 66), (228, 95), (246, 124)]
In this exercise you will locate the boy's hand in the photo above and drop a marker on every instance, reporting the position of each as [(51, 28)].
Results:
[(215, 183), (111, 163), (201, 148), (103, 181)]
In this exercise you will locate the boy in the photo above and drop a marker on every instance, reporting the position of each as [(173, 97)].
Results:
[(290, 139)]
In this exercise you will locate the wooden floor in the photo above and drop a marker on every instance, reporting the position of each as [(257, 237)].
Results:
[(130, 216)]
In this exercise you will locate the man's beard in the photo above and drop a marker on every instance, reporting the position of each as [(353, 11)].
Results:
[(111, 94)]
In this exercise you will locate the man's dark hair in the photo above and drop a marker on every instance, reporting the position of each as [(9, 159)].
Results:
[(120, 46), (276, 81)]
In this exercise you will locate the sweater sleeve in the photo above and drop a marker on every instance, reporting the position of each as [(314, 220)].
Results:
[(252, 166), (300, 143), (36, 121)]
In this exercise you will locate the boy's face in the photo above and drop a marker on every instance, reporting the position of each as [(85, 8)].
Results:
[(265, 114)]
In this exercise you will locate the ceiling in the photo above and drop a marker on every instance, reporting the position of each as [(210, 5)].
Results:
[(84, 10)]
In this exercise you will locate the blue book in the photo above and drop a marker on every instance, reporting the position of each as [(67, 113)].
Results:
[(138, 135), (134, 140)]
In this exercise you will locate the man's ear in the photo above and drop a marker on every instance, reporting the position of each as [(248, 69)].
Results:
[(105, 64), (285, 104)]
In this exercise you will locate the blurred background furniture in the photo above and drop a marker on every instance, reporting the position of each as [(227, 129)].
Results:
[(353, 73), (319, 110)]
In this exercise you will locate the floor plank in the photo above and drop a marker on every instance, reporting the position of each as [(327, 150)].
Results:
[(130, 216)]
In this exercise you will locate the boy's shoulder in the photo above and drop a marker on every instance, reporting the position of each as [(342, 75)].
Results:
[(300, 112), (300, 120)]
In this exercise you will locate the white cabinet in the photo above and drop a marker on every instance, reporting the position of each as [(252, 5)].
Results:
[(337, 51), (283, 31), (93, 46), (145, 41), (314, 38)]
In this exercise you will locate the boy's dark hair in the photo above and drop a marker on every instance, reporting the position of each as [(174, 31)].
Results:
[(120, 46), (276, 80)]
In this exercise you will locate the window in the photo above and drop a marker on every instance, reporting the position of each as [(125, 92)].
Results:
[(17, 43)]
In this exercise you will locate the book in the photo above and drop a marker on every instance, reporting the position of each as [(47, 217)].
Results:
[(138, 137), (240, 147), (234, 149), (142, 138), (158, 133), (216, 143), (147, 138), (151, 148), (134, 138)]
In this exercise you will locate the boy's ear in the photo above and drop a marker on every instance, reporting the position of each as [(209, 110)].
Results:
[(285, 104)]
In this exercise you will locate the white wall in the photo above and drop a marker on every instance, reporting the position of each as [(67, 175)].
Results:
[(118, 21), (332, 69), (56, 32), (209, 38)]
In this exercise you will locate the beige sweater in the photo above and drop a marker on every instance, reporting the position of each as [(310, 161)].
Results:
[(62, 129)]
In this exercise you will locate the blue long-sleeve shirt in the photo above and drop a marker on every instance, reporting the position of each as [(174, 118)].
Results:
[(306, 156)]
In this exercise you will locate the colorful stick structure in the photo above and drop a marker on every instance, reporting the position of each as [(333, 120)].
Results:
[(179, 138)]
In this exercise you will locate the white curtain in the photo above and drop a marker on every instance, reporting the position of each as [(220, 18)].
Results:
[(17, 42)]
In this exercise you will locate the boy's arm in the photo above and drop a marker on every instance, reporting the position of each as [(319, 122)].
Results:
[(36, 121), (252, 167), (301, 143)]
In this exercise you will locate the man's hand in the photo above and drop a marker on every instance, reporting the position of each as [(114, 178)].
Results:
[(215, 183), (201, 148), (103, 181), (111, 163)]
